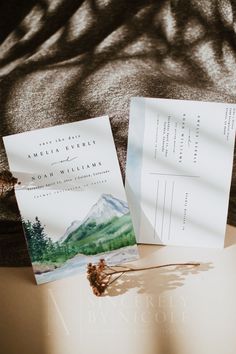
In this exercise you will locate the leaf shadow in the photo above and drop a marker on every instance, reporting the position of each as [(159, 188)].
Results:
[(155, 280)]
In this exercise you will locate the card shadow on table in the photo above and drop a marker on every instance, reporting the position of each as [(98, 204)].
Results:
[(24, 312)]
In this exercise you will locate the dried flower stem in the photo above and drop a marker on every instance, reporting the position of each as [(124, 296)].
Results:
[(152, 267), (101, 275)]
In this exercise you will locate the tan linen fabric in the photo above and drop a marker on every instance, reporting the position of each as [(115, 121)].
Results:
[(67, 60)]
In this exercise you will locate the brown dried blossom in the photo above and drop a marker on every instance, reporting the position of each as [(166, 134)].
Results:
[(98, 278), (101, 275)]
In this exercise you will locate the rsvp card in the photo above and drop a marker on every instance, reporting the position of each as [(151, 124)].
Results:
[(179, 168), (71, 197)]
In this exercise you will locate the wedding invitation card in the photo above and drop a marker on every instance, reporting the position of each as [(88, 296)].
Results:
[(71, 197), (179, 168)]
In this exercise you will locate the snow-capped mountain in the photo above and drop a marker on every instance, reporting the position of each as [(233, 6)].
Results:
[(105, 209), (73, 226)]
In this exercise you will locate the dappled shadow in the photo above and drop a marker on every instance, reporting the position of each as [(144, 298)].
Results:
[(12, 12), (92, 34), (156, 280), (67, 60)]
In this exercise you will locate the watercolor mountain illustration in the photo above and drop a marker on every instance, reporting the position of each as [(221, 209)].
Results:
[(106, 227), (74, 225)]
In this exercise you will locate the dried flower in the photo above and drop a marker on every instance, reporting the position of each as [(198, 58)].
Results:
[(101, 275), (98, 278)]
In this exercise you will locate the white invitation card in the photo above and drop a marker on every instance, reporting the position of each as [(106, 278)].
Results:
[(179, 168), (71, 197)]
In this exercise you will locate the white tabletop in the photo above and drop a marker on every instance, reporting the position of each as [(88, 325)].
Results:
[(163, 311)]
